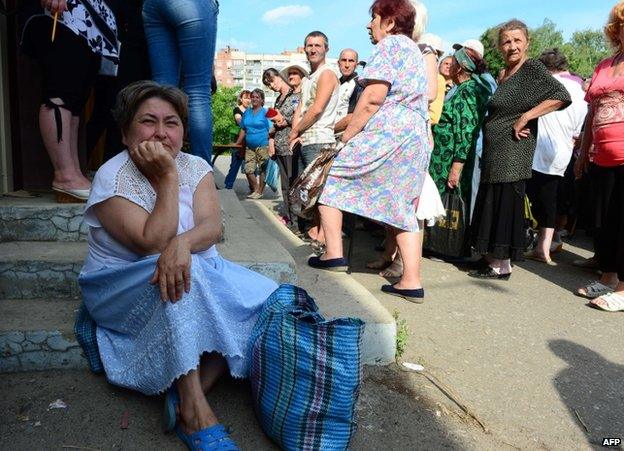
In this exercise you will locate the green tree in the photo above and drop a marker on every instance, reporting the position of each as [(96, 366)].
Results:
[(224, 129), (585, 50), (543, 37), (492, 56)]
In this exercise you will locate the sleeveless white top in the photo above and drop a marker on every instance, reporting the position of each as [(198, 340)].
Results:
[(322, 131), (120, 177)]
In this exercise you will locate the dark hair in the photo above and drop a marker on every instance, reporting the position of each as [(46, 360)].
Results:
[(244, 92), (269, 74), (130, 99), (317, 34), (554, 60), (513, 24), (260, 92), (401, 11)]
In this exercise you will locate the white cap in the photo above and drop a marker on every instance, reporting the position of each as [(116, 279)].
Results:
[(299, 67), (473, 44), (432, 40)]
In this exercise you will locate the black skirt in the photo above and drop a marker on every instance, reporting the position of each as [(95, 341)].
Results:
[(498, 226)]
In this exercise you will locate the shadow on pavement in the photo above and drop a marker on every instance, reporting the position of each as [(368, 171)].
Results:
[(392, 414), (592, 388)]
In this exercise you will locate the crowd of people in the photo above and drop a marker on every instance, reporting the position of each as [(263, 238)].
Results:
[(413, 128)]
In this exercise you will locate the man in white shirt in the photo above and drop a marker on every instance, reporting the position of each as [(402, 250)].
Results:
[(315, 116), (557, 133)]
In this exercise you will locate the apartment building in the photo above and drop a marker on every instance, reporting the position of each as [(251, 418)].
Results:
[(234, 67)]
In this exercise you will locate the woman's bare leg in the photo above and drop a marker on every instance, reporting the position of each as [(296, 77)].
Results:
[(331, 222), (251, 179), (64, 154), (261, 184), (195, 412), (410, 247)]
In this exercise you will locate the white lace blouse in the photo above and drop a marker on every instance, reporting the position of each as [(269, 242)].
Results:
[(120, 177)]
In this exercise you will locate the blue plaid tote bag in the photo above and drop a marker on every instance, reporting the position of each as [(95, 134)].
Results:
[(306, 373), (85, 332)]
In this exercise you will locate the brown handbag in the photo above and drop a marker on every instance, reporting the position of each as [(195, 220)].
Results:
[(306, 189)]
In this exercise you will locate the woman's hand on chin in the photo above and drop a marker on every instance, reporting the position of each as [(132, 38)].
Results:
[(173, 270), (153, 160)]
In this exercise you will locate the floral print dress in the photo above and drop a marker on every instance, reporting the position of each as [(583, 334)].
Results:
[(380, 172)]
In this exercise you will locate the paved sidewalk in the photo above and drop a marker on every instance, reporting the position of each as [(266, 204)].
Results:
[(530, 360)]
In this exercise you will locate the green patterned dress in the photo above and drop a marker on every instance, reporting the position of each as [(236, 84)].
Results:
[(455, 136)]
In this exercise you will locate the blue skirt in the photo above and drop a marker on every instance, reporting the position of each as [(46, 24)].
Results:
[(145, 344)]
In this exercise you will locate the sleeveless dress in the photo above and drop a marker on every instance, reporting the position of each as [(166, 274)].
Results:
[(380, 172), (144, 343)]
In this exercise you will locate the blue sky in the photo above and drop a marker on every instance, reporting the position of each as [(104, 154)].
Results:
[(262, 26)]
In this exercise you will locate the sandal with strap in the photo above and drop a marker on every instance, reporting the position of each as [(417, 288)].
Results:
[(170, 416), (394, 270), (611, 302), (594, 290), (214, 438)]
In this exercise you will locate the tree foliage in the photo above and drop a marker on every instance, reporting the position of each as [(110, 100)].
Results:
[(584, 50), (224, 129)]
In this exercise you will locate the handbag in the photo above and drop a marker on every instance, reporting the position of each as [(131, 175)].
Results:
[(308, 186), (448, 235), (305, 373)]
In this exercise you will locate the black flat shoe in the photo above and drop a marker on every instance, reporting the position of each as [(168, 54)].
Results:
[(416, 296), (488, 273), (333, 264)]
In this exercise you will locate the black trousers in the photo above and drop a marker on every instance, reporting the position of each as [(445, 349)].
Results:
[(608, 204), (288, 173)]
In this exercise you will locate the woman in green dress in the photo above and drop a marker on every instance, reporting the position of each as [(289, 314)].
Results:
[(455, 136)]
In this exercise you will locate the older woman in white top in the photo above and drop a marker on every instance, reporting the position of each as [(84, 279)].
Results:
[(171, 313)]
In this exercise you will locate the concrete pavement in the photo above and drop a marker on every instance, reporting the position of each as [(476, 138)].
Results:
[(539, 368)]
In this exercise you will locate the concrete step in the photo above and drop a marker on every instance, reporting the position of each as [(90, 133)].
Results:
[(40, 269), (43, 269), (40, 219), (39, 293), (37, 334)]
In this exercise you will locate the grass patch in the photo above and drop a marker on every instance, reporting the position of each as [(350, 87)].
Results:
[(402, 335)]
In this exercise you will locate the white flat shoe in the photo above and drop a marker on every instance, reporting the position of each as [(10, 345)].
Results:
[(68, 196)]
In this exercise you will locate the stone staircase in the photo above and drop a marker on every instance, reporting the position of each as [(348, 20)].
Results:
[(42, 248)]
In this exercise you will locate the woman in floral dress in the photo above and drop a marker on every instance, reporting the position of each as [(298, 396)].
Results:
[(379, 172)]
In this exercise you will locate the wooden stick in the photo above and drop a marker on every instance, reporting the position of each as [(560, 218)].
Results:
[(54, 26)]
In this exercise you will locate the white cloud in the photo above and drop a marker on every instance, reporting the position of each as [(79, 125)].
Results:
[(286, 14)]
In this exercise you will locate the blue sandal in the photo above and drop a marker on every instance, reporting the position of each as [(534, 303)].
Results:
[(170, 417), (214, 438)]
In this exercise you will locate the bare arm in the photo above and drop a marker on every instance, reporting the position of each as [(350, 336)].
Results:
[(238, 118), (325, 88), (431, 66), (173, 269), (547, 106), (142, 232), (586, 143), (371, 100), (343, 123), (208, 228)]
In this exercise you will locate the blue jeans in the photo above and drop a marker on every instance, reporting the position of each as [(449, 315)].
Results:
[(308, 153), (182, 34), (235, 165)]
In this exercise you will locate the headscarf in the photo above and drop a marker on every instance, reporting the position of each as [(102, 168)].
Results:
[(468, 65)]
